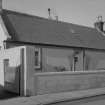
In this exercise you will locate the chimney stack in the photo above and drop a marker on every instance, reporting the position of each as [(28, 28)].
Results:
[(99, 24)]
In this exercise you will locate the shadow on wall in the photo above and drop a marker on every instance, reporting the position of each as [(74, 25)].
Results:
[(6, 94), (60, 68)]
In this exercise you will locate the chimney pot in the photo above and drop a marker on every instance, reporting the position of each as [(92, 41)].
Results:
[(49, 13), (99, 24)]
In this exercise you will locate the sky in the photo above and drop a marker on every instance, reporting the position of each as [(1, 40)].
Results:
[(82, 12)]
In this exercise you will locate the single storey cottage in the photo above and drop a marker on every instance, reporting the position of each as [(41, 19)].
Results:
[(32, 44)]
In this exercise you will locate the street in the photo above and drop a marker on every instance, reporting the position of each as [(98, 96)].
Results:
[(97, 100), (86, 97)]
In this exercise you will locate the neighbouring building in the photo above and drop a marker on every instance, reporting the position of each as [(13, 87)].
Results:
[(31, 44)]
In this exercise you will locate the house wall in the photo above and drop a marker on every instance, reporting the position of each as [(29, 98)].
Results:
[(60, 59), (55, 59), (50, 56), (10, 76), (21, 58), (3, 33), (94, 60), (13, 55), (30, 70), (44, 83)]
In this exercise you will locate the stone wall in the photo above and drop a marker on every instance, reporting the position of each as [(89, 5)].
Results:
[(45, 83)]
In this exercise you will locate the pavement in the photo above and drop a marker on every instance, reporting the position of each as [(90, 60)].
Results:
[(64, 98)]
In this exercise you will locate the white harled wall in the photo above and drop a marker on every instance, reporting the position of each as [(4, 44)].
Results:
[(14, 57), (3, 32)]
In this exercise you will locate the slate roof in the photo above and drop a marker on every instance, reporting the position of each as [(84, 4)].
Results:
[(34, 29)]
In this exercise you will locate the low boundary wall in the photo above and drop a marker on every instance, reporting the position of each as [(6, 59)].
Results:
[(56, 82)]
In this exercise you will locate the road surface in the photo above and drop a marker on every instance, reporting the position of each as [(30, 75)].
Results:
[(86, 97), (96, 100)]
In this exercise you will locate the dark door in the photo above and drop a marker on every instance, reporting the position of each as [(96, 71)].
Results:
[(78, 61)]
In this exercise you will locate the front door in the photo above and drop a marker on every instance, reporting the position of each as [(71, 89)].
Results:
[(78, 61)]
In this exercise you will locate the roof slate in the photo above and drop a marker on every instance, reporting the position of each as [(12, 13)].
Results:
[(34, 29)]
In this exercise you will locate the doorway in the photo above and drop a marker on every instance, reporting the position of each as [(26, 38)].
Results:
[(78, 61)]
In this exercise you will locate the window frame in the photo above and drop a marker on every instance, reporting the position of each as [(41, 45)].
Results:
[(39, 58)]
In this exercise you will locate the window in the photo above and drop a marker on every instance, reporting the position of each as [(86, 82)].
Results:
[(37, 58), (6, 63)]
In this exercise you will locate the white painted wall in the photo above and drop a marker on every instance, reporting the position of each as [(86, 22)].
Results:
[(3, 32), (14, 56), (28, 69)]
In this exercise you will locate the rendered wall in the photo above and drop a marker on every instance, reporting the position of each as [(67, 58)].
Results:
[(42, 83), (22, 57), (94, 60), (10, 74), (3, 32), (46, 83), (14, 60), (60, 59), (29, 69)]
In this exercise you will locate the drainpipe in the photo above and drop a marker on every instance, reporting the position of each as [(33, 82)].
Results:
[(83, 60)]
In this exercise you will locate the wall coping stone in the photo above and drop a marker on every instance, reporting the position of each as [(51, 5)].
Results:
[(69, 73)]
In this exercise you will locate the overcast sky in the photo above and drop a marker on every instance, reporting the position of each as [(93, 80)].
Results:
[(82, 12)]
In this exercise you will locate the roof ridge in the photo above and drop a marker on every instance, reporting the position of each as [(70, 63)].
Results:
[(39, 17)]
